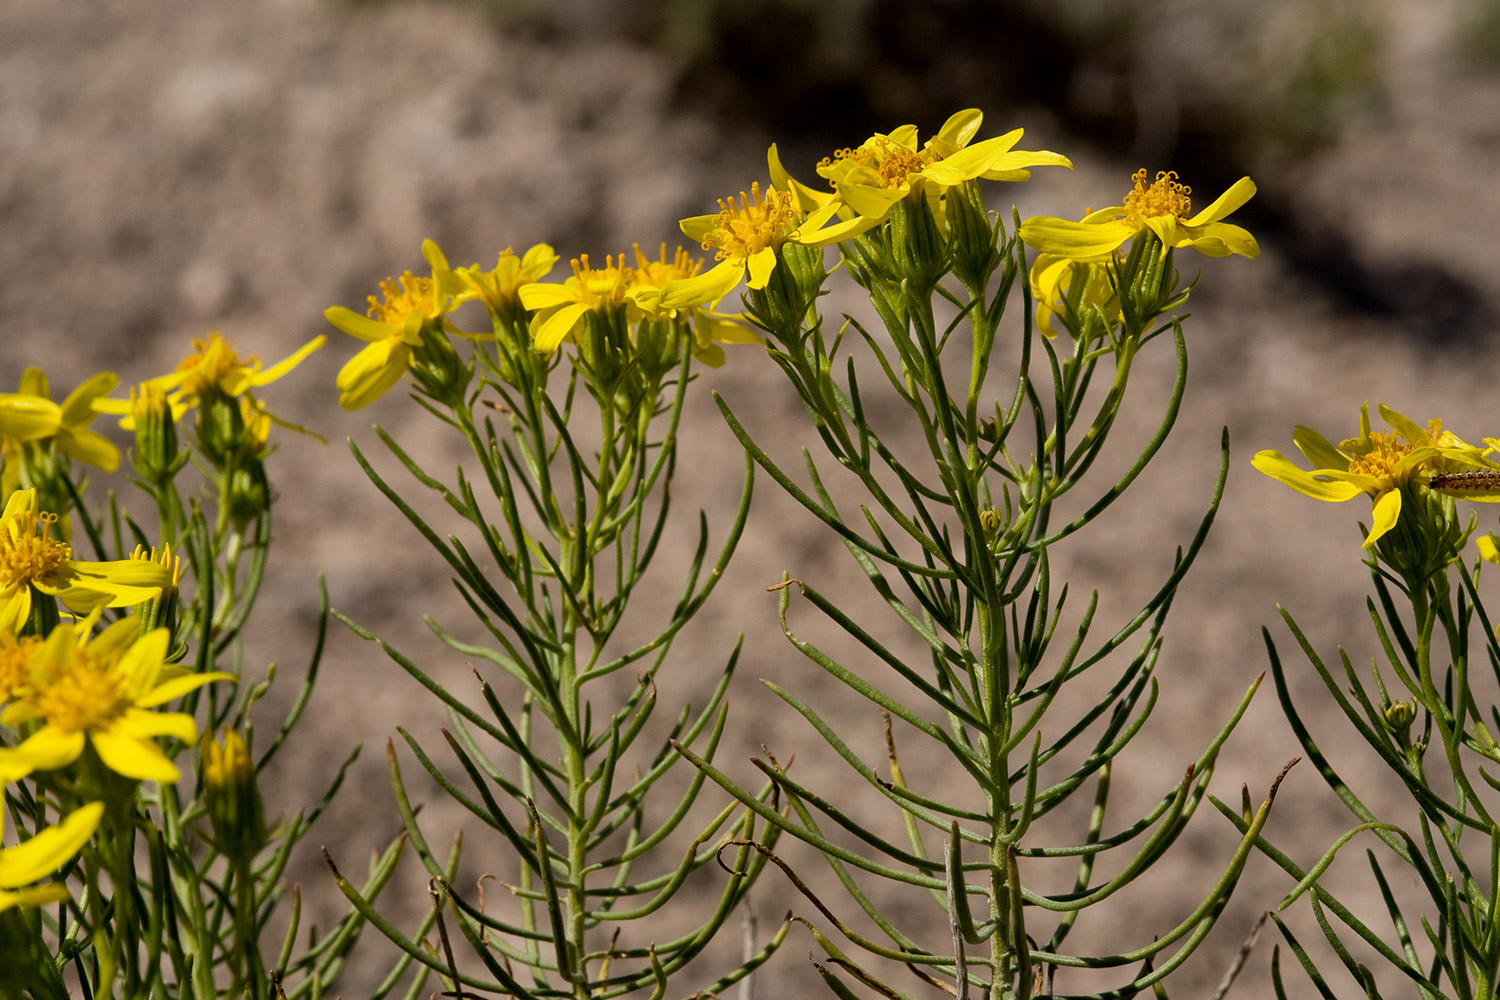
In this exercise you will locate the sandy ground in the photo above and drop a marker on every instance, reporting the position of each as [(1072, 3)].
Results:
[(175, 168)]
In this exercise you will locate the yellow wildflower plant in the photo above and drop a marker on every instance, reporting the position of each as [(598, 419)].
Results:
[(1381, 464), (709, 328), (30, 415), (393, 326), (1070, 288), (31, 560), (885, 169), (100, 691), (745, 237), (1161, 207), (37, 857), (500, 287), (561, 308)]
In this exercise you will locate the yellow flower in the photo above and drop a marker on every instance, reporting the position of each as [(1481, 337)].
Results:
[(884, 169), (393, 327), (31, 560), (31, 415), (100, 691), (561, 308), (745, 237), (1380, 465), (215, 368), (499, 288), (1070, 288), (37, 857), (1162, 207), (709, 328)]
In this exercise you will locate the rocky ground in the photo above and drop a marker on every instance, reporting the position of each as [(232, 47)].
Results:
[(179, 167)]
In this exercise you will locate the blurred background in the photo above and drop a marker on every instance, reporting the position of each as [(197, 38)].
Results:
[(172, 168)]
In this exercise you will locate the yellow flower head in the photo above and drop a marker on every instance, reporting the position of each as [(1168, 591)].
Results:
[(393, 326), (1071, 289), (213, 371), (744, 236), (39, 856), (215, 368), (709, 328), (30, 415), (561, 309), (1381, 464), (884, 169), (1162, 207), (100, 691), (30, 559), (499, 289)]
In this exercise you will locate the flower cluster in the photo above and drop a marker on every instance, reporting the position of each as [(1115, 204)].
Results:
[(83, 697), (616, 315)]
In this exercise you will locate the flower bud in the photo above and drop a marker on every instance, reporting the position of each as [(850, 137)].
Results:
[(1399, 715), (232, 796), (437, 368), (161, 610), (221, 429), (246, 493), (794, 285), (1427, 537), (971, 236), (658, 346), (1148, 282), (157, 456), (918, 252), (604, 348)]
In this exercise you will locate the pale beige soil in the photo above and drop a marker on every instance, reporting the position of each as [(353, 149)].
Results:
[(176, 167)]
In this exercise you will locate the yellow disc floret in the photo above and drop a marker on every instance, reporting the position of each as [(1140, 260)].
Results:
[(1163, 197), (656, 273), (880, 161), (86, 696), (744, 229), (1381, 457), (1386, 450), (27, 553), (601, 286), (405, 296)]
